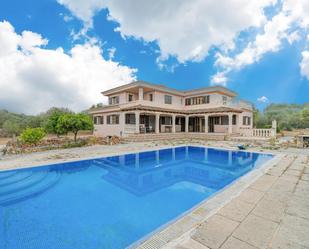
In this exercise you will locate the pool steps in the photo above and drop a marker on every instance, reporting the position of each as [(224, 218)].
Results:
[(26, 187)]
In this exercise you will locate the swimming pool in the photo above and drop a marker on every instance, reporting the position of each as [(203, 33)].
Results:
[(114, 201)]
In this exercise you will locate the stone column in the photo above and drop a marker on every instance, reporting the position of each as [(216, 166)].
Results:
[(206, 123), (187, 124), (230, 131), (157, 123), (273, 126), (122, 122), (140, 93), (173, 123), (137, 113), (238, 123)]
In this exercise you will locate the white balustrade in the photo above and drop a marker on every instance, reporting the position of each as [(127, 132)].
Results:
[(252, 132)]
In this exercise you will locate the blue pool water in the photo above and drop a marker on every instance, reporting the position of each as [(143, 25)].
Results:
[(111, 202)]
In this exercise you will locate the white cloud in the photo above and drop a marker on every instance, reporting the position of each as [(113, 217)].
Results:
[(34, 78), (294, 14), (111, 52), (187, 30), (219, 79), (184, 29), (66, 18), (293, 37), (83, 9), (304, 64), (263, 99)]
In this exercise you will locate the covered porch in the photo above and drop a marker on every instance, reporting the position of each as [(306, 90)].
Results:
[(146, 122)]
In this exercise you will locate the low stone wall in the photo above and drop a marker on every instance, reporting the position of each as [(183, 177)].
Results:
[(16, 147)]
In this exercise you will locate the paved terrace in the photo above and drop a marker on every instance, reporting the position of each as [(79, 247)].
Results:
[(273, 212)]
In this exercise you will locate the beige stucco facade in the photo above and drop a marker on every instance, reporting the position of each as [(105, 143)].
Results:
[(142, 107)]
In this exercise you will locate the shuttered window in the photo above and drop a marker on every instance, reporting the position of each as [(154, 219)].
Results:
[(246, 120), (98, 120), (113, 119), (197, 100), (130, 119), (167, 99), (113, 100)]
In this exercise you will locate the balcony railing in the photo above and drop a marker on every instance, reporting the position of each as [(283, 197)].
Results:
[(252, 132)]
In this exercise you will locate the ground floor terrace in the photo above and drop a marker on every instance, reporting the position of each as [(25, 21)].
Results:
[(146, 122)]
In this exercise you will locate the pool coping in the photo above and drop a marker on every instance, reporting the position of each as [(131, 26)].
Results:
[(40, 164), (182, 225)]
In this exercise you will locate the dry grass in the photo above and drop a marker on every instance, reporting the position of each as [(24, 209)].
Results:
[(4, 140)]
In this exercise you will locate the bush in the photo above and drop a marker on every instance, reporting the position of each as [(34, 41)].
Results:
[(32, 135)]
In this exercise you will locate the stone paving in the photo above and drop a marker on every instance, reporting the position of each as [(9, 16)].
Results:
[(273, 212)]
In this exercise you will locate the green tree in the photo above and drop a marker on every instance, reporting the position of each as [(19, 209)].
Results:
[(12, 127), (305, 117), (32, 135), (51, 122), (74, 123)]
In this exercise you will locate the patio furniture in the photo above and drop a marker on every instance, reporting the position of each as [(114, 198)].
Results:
[(142, 128), (241, 147)]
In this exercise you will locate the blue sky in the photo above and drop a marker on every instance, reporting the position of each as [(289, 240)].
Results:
[(262, 56)]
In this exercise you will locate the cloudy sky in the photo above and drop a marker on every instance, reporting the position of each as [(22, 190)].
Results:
[(65, 52)]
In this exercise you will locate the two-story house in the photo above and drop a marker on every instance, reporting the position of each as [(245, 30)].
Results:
[(141, 107)]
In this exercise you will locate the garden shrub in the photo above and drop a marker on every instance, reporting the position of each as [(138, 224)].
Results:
[(32, 135)]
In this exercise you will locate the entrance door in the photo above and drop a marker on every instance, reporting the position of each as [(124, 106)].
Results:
[(196, 124)]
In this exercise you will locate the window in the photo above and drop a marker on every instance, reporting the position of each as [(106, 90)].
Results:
[(167, 99), (217, 120), (151, 97), (246, 120), (130, 118), (224, 120), (130, 97), (197, 100), (234, 120), (101, 120), (113, 100), (166, 120), (98, 120), (113, 119), (224, 100)]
